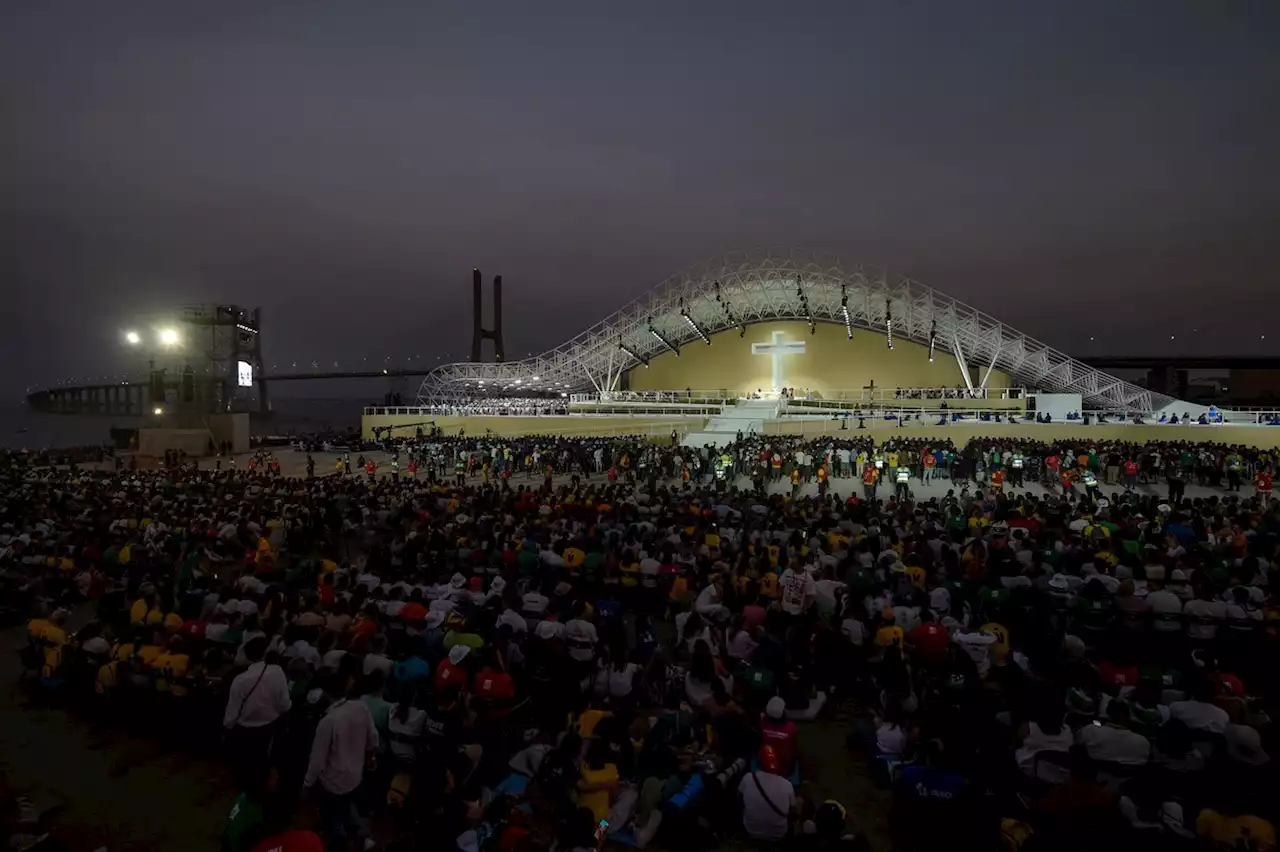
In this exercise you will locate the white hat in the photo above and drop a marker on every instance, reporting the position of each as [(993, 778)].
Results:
[(776, 708), (497, 585), (457, 581), (458, 653), (435, 618)]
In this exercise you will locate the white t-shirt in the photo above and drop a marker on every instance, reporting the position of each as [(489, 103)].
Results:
[(1203, 618), (1200, 716), (581, 637), (977, 646), (534, 603), (760, 819), (890, 739), (1115, 745), (797, 586)]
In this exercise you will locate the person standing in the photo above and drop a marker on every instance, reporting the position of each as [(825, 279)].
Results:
[(346, 740), (257, 702)]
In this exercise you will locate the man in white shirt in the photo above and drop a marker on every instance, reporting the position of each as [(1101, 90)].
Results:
[(798, 591), (1199, 713), (346, 739), (1204, 614), (1165, 608), (977, 644), (1112, 741), (258, 699), (767, 800)]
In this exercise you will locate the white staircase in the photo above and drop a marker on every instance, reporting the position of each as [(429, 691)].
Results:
[(746, 417)]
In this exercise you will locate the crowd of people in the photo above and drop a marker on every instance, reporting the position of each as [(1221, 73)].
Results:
[(532, 406), (553, 643)]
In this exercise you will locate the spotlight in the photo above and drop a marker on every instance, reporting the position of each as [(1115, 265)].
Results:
[(169, 337), (158, 411), (888, 324), (697, 329), (132, 338), (933, 339), (663, 340), (627, 349), (848, 320)]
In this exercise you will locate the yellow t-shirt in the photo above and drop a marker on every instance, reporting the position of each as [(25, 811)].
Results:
[(36, 627), (916, 576), (769, 585), (1231, 833), (889, 636), (149, 654), (597, 800), (138, 612), (1000, 647)]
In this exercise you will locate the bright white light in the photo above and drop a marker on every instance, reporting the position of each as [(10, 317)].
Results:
[(169, 337), (535, 378), (562, 393), (158, 411), (518, 381), (132, 338)]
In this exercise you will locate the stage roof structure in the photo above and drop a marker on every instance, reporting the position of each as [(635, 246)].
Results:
[(763, 285)]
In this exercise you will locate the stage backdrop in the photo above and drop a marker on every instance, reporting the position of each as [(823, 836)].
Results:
[(829, 362)]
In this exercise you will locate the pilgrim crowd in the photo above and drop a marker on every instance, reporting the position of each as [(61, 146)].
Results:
[(551, 643)]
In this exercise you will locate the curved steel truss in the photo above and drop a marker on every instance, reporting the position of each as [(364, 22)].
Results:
[(788, 284)]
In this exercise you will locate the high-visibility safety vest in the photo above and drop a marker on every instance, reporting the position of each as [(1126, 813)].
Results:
[(1234, 462), (1089, 479), (904, 475), (1017, 461)]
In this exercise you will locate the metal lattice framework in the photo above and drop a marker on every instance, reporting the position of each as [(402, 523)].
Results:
[(763, 285)]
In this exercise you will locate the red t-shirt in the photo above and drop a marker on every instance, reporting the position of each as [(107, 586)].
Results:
[(931, 640), (291, 841), (1263, 481), (449, 676), (495, 685), (194, 629), (1051, 462), (1130, 467), (782, 737), (1118, 675)]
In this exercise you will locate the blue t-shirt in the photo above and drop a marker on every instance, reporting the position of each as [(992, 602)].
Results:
[(929, 784)]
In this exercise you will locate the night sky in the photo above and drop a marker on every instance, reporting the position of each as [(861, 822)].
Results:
[(1079, 170)]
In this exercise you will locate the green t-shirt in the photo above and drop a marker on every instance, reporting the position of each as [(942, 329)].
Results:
[(245, 816)]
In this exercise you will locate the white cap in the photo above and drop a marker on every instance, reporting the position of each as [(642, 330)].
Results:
[(458, 653), (776, 708)]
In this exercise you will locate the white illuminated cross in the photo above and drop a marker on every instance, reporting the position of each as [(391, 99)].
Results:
[(777, 349)]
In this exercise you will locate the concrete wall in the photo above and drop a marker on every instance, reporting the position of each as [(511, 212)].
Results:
[(994, 404), (154, 442), (1263, 437), (545, 425), (830, 362), (233, 428)]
